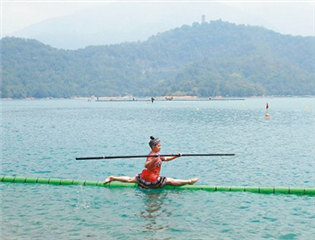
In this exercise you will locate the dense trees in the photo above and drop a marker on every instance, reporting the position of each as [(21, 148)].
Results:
[(209, 59)]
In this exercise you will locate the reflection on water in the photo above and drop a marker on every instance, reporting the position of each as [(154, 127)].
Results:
[(154, 210)]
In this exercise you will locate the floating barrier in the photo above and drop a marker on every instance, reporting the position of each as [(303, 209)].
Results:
[(55, 181)]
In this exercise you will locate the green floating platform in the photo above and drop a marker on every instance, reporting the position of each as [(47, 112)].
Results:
[(55, 181)]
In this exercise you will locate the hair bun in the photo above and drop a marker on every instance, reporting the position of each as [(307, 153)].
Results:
[(151, 137)]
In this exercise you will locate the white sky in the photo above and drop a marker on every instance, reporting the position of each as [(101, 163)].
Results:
[(295, 17)]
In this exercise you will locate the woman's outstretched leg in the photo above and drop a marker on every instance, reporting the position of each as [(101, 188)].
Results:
[(121, 179), (178, 182)]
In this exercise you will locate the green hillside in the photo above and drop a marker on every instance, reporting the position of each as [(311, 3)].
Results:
[(209, 59)]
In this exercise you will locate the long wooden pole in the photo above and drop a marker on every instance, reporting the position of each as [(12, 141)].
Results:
[(162, 155)]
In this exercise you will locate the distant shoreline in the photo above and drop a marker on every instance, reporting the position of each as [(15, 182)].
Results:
[(159, 98)]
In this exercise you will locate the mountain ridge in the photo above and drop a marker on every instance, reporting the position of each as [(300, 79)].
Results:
[(209, 59)]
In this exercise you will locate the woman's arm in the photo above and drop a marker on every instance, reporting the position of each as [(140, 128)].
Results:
[(173, 157), (149, 162)]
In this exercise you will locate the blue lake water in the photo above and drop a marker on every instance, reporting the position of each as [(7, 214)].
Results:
[(41, 138)]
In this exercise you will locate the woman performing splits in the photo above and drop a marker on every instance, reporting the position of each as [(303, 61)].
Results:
[(150, 176)]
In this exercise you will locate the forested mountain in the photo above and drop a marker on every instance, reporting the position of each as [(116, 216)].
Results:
[(209, 59)]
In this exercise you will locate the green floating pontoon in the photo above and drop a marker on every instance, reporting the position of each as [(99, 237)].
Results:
[(54, 181)]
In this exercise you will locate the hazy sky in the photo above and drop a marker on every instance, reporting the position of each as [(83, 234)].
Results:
[(295, 17)]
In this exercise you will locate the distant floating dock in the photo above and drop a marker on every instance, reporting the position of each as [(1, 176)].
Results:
[(264, 190)]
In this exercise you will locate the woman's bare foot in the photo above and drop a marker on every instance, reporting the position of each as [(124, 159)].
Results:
[(193, 180), (108, 180)]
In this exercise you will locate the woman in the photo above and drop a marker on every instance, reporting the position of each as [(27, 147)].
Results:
[(150, 176)]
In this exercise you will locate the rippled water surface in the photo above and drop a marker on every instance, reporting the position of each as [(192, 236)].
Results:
[(41, 138)]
